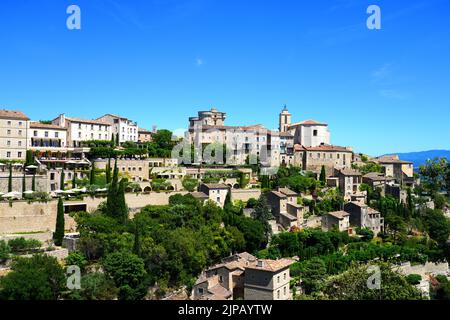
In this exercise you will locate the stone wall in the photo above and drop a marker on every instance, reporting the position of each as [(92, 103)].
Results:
[(24, 217), (17, 178), (245, 194)]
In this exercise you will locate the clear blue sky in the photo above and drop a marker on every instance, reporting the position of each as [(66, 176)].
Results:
[(159, 62)]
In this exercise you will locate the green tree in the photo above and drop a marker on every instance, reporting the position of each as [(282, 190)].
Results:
[(74, 179), (62, 180), (10, 178), (92, 175), (313, 274), (58, 235), (128, 272), (352, 285), (76, 258), (434, 173), (262, 214), (29, 158), (190, 184), (437, 225), (37, 278), (24, 188), (323, 176), (413, 279), (33, 182), (108, 171)]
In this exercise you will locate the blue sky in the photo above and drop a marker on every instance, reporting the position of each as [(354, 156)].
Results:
[(159, 62)]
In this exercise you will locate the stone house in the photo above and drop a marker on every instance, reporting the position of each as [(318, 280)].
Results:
[(339, 219), (349, 181), (217, 192), (402, 171), (363, 216), (285, 209), (244, 276), (329, 156)]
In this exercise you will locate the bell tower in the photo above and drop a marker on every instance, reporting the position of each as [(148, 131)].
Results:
[(284, 120)]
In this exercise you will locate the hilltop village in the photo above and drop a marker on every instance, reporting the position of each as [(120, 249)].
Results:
[(223, 213)]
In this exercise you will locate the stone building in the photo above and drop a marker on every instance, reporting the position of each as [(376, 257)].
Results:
[(363, 216), (144, 135), (217, 192), (45, 137), (244, 276), (121, 127), (80, 130), (134, 169), (285, 209), (349, 181), (243, 143), (401, 171), (14, 127), (336, 219), (331, 157)]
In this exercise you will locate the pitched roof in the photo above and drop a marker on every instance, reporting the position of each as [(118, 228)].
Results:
[(13, 114), (349, 172), (286, 134), (199, 195), (39, 125), (308, 122), (216, 186), (339, 214), (271, 265), (326, 147), (287, 191), (90, 121)]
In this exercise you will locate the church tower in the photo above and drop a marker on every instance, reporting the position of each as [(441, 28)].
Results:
[(285, 120)]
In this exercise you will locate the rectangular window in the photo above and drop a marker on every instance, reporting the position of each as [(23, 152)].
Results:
[(35, 133), (20, 143), (56, 134), (8, 143), (20, 123), (79, 134), (278, 279), (8, 154), (9, 123), (8, 132), (315, 133), (46, 134)]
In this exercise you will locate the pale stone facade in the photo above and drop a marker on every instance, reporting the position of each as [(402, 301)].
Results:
[(14, 126), (121, 127), (79, 130), (285, 209), (331, 157), (217, 192), (45, 137), (336, 219)]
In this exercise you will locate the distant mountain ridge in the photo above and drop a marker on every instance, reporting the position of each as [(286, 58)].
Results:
[(420, 158)]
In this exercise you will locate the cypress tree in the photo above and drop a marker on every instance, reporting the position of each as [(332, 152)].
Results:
[(122, 209), (58, 235), (33, 182), (10, 178), (74, 179), (323, 176), (92, 175), (137, 240), (113, 143), (24, 183), (111, 200), (108, 171), (29, 159), (61, 182), (117, 139), (228, 204)]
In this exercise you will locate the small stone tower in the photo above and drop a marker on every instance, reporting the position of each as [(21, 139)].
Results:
[(285, 120)]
